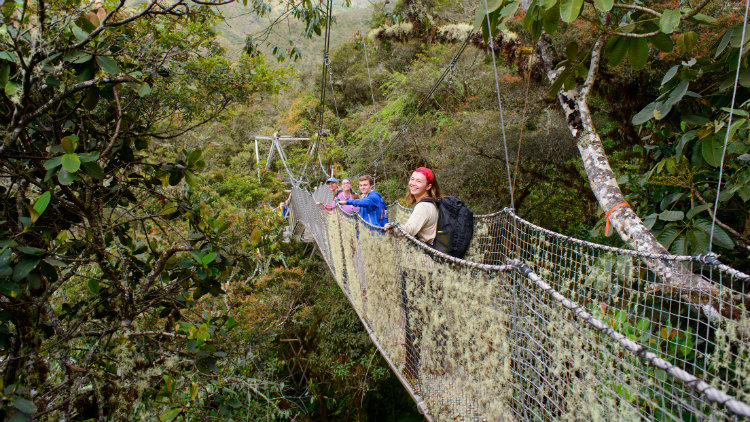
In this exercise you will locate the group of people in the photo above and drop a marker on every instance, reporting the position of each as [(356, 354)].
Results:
[(421, 189), (369, 204)]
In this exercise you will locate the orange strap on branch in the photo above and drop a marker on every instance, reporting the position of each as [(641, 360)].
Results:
[(621, 204)]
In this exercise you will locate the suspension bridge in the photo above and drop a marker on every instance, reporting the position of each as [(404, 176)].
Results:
[(533, 325)]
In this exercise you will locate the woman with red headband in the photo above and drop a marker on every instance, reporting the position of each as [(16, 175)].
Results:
[(424, 217)]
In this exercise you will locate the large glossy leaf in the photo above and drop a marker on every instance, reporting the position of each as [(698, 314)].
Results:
[(670, 74), (570, 9), (69, 143), (680, 246), (677, 93), (662, 41), (646, 114), (65, 177), (71, 162), (552, 19), (25, 406), (93, 169), (604, 5), (88, 156), (616, 49), (53, 163), (711, 149), (720, 238), (637, 52), (667, 236), (671, 215), (669, 21), (41, 203), (24, 267), (108, 65), (9, 289)]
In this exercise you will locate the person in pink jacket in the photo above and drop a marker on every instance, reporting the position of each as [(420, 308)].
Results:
[(345, 194)]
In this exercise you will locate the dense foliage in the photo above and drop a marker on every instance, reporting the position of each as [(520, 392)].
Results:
[(143, 272)]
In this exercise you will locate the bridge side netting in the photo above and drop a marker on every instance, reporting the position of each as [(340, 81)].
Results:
[(486, 342)]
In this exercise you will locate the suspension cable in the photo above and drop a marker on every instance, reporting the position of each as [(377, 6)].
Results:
[(326, 63), (499, 102), (729, 126), (448, 69)]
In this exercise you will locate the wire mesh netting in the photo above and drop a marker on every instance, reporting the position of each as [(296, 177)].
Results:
[(533, 325)]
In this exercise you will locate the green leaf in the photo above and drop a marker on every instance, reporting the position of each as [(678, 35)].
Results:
[(92, 98), (671, 216), (724, 42), (208, 258), (9, 289), (669, 21), (93, 285), (662, 42), (669, 75), (551, 19), (686, 42), (687, 137), (604, 5), (701, 18), (24, 267), (697, 210), (677, 93), (646, 114), (169, 415), (637, 52), (71, 162), (615, 49), (108, 65), (24, 406), (11, 88), (680, 246), (65, 178), (194, 156), (711, 149), (69, 143), (77, 57), (144, 90), (79, 33), (41, 203), (93, 169), (6, 55), (191, 179), (722, 239), (4, 73), (53, 163), (88, 156), (570, 9)]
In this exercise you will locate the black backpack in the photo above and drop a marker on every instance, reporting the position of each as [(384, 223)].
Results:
[(455, 226)]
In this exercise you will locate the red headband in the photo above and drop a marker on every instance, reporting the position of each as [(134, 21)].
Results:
[(427, 173)]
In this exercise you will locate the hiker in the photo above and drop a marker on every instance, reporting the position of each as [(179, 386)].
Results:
[(423, 220), (333, 185), (347, 193), (372, 208)]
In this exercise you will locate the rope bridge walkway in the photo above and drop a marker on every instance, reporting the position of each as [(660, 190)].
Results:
[(534, 325)]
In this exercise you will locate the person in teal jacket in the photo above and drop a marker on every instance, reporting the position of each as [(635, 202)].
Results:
[(372, 208)]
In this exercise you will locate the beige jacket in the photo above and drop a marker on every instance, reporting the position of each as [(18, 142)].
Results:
[(422, 222)]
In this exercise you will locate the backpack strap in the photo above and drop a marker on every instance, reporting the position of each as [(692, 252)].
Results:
[(431, 200)]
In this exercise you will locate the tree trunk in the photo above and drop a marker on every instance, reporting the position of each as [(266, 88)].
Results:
[(676, 278)]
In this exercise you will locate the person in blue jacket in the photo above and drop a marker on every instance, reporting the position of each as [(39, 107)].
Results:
[(372, 208)]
